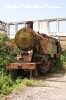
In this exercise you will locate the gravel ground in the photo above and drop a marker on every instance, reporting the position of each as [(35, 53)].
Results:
[(55, 90)]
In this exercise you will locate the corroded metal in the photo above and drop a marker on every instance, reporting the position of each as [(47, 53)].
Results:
[(29, 66), (24, 39), (25, 66)]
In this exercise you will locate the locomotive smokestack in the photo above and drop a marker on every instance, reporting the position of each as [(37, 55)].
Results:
[(29, 24)]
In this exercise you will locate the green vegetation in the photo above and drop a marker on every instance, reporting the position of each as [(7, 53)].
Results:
[(63, 56), (58, 67), (60, 64), (6, 51), (7, 85)]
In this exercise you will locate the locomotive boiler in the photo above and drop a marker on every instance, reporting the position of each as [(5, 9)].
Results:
[(37, 51)]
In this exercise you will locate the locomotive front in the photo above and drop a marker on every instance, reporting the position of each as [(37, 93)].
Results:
[(24, 39), (37, 52)]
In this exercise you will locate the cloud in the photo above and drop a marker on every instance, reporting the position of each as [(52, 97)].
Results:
[(14, 6), (23, 6), (54, 7), (33, 6)]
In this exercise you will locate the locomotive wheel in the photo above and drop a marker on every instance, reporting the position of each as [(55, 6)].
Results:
[(45, 67)]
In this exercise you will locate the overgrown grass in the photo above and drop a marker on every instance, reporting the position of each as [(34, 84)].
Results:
[(7, 85), (36, 83)]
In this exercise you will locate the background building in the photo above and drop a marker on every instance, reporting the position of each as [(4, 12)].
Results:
[(3, 27)]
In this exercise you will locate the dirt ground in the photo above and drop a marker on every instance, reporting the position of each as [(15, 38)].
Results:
[(55, 89)]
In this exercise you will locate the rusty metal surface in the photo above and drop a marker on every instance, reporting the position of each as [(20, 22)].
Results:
[(43, 46), (25, 39), (24, 56), (29, 66), (13, 44), (52, 48), (48, 46)]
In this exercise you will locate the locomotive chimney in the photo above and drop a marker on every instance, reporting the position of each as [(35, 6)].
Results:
[(29, 24)]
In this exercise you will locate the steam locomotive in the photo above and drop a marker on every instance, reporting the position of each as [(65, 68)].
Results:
[(37, 51)]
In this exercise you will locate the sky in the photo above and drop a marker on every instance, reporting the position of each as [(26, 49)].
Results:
[(25, 10)]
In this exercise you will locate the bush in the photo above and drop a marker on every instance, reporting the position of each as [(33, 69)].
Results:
[(7, 51), (6, 90), (63, 56), (18, 80), (6, 84), (5, 80)]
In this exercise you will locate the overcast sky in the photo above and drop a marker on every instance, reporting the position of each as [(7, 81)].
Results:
[(23, 10)]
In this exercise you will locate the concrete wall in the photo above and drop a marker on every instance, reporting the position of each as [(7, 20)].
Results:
[(52, 27)]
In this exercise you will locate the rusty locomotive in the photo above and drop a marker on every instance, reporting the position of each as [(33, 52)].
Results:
[(37, 51)]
